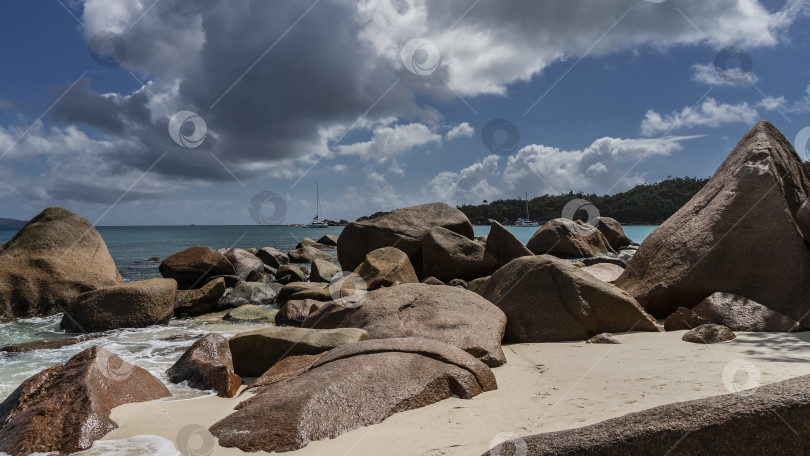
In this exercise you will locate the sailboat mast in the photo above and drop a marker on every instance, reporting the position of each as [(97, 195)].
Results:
[(527, 205), (317, 202)]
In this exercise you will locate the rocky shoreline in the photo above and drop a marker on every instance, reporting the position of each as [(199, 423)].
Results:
[(410, 309)]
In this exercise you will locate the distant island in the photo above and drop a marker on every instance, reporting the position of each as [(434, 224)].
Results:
[(11, 224), (647, 204)]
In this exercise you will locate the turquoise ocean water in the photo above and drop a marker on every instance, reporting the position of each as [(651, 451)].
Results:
[(158, 347)]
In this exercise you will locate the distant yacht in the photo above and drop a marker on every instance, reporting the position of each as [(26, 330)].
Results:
[(317, 222), (526, 221)]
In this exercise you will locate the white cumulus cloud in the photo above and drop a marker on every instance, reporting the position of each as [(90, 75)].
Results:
[(599, 168), (389, 142), (462, 130), (708, 113), (709, 75)]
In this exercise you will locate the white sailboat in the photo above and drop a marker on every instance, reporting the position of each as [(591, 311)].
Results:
[(526, 221), (317, 222)]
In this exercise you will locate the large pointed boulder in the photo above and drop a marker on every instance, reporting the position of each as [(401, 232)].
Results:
[(739, 235), (613, 232), (438, 312), (547, 299), (502, 245), (403, 228), (350, 387), (65, 408), (55, 257)]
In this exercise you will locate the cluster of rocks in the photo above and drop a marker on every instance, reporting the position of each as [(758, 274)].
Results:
[(413, 309)]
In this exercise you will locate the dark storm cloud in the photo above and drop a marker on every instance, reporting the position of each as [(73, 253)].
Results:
[(111, 113), (319, 75)]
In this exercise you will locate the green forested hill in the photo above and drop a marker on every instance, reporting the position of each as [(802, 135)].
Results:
[(643, 204)]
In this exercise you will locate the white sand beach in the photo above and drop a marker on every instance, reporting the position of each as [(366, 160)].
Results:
[(543, 387)]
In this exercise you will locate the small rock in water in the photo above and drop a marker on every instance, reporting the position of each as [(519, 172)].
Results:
[(709, 334), (248, 293), (328, 240), (603, 338), (154, 260), (43, 344), (252, 313), (181, 337)]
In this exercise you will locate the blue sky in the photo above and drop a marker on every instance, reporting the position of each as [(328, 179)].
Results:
[(605, 94)]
